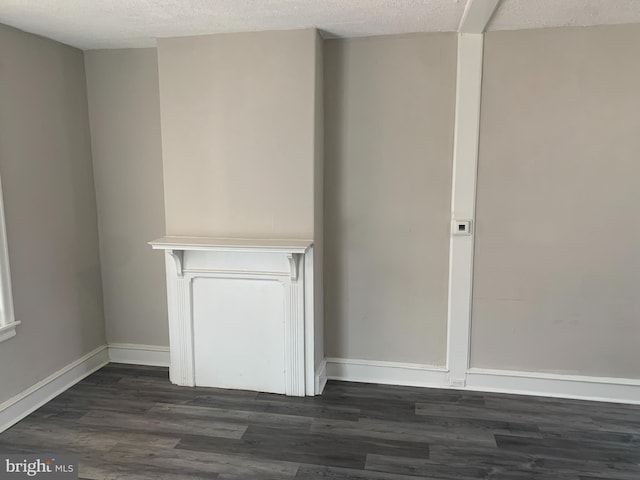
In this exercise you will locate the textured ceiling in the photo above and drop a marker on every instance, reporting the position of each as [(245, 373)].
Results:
[(91, 24), (520, 14)]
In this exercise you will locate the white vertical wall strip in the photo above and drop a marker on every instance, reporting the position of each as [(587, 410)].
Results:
[(463, 199), (8, 322)]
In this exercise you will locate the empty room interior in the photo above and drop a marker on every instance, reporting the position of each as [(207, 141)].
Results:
[(320, 239)]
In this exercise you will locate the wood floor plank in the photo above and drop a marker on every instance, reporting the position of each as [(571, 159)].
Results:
[(316, 472), (303, 447), (500, 460), (162, 423), (571, 449), (245, 417), (391, 430), (414, 467), (202, 462), (279, 407)]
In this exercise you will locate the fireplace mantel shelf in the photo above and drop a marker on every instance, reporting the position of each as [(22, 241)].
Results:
[(256, 245)]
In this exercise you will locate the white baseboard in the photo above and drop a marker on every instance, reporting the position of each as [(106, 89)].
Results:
[(21, 405), (321, 377), (133, 354), (390, 373), (603, 389)]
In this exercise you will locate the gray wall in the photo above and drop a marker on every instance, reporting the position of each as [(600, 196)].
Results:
[(124, 111), (49, 200), (238, 134), (557, 230), (389, 109), (557, 267)]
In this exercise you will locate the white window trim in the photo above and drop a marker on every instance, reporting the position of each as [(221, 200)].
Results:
[(8, 322)]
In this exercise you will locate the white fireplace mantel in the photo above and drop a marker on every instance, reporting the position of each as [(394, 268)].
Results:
[(241, 313)]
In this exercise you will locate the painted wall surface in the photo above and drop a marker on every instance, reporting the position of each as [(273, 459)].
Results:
[(49, 201), (557, 267), (389, 113), (238, 134), (124, 111)]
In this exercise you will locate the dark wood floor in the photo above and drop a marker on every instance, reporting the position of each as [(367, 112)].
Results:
[(130, 422)]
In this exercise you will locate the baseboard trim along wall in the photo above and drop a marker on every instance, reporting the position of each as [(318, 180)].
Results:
[(390, 373), (603, 389), (134, 354), (21, 405)]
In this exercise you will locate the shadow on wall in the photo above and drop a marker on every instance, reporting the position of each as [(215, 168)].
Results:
[(335, 294)]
